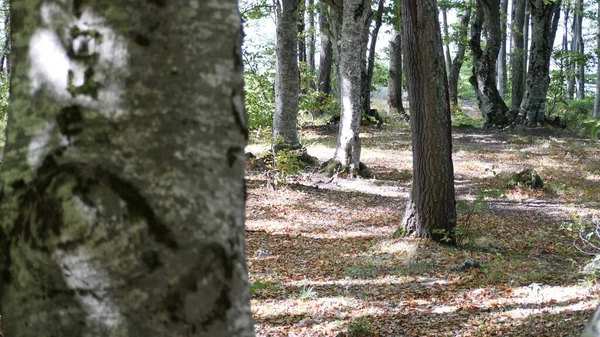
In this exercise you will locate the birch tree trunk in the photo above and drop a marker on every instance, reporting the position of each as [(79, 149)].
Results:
[(518, 54), (432, 204), (483, 80), (353, 50), (460, 55), (501, 63), (372, 56), (544, 18), (122, 187), (287, 76)]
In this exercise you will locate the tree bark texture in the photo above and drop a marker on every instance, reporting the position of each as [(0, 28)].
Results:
[(518, 71), (579, 46), (287, 76), (302, 57), (501, 63), (122, 187), (326, 54), (311, 35), (460, 55), (483, 80), (335, 24), (446, 38), (395, 78), (372, 57), (352, 66), (544, 19), (526, 33), (432, 205)]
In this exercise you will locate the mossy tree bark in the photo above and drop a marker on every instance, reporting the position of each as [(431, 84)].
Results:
[(287, 76), (431, 210), (122, 186), (483, 80), (544, 17), (352, 67)]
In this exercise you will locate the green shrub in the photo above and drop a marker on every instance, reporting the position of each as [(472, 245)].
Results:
[(360, 328)]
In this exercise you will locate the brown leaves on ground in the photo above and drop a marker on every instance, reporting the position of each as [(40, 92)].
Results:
[(322, 261)]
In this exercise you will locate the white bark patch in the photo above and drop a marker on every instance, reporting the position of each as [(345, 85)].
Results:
[(39, 146), (51, 65), (91, 284)]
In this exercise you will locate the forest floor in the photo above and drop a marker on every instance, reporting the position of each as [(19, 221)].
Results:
[(323, 262)]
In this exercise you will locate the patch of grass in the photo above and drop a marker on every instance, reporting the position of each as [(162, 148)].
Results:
[(307, 292), (259, 287), (360, 327)]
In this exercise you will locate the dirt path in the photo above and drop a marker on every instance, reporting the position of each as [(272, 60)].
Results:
[(321, 257)]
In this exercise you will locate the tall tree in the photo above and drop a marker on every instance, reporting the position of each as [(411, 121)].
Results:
[(395, 76), (444, 10), (578, 46), (501, 62), (526, 32), (596, 113), (311, 50), (302, 57), (431, 210), (461, 42), (544, 18), (483, 80), (287, 76), (326, 52), (517, 65), (122, 186), (352, 56), (372, 57)]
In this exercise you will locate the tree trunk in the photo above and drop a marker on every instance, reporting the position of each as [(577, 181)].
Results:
[(564, 60), (578, 44), (501, 63), (372, 56), (287, 77), (518, 54), (446, 38), (526, 30), (353, 50), (431, 210), (483, 80), (311, 36), (544, 19), (326, 54), (596, 113), (301, 32), (395, 79), (122, 187), (335, 24), (460, 55)]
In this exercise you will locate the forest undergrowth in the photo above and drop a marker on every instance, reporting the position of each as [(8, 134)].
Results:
[(323, 262)]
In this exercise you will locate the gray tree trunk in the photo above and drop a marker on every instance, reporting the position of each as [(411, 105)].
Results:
[(122, 186), (501, 62), (526, 32), (460, 55), (302, 57), (372, 56), (326, 54), (517, 57), (287, 76), (353, 53), (311, 36), (446, 39), (483, 80), (432, 204), (335, 24), (579, 50), (544, 18), (395, 80)]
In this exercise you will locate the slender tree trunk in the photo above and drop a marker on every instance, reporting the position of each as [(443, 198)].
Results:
[(544, 17), (501, 63), (526, 30), (431, 210), (326, 54), (564, 60), (287, 76), (579, 50), (517, 58), (483, 80), (335, 24), (460, 55), (301, 32), (372, 57), (446, 38), (596, 113), (352, 57), (122, 187), (311, 36)]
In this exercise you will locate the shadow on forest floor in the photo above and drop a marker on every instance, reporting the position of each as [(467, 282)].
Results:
[(321, 255)]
